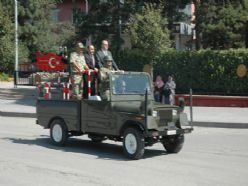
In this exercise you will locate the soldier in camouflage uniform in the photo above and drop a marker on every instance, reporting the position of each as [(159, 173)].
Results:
[(104, 77), (78, 64)]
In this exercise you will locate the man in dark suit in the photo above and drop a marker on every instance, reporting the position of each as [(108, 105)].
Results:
[(91, 58), (105, 52), (93, 64)]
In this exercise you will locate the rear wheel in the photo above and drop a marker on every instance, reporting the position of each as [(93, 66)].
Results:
[(58, 132), (133, 143), (173, 144)]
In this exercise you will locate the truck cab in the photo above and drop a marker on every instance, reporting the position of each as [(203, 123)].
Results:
[(127, 113)]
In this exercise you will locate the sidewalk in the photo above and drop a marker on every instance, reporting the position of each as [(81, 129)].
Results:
[(17, 102), (20, 102), (223, 117)]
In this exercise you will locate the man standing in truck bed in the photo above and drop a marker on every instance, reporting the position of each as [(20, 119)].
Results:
[(104, 77), (78, 64), (103, 52)]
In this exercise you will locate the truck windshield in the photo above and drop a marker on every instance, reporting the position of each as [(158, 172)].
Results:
[(130, 84)]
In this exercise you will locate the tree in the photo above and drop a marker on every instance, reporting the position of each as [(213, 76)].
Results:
[(100, 23), (170, 8), (222, 23), (148, 32), (36, 31), (35, 25), (7, 42)]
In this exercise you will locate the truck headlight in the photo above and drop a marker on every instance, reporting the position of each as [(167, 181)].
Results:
[(174, 112), (154, 113)]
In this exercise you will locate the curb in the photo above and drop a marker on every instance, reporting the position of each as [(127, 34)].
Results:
[(214, 100), (221, 125), (18, 114)]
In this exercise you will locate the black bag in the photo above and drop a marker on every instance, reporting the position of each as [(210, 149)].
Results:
[(167, 92)]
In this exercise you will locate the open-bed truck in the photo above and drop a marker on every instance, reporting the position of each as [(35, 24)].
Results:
[(129, 114)]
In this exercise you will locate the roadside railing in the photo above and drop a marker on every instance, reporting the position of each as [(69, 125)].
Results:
[(24, 78)]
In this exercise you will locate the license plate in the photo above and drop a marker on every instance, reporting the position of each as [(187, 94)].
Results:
[(171, 132)]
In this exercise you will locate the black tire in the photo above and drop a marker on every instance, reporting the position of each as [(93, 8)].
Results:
[(133, 143), (96, 138), (173, 144), (58, 132)]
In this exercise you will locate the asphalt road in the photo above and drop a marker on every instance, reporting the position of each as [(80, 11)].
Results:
[(211, 156)]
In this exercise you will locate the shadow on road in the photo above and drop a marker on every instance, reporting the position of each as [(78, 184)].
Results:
[(20, 93), (21, 96), (100, 150)]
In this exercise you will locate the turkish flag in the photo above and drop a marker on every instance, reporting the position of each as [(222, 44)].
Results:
[(50, 62)]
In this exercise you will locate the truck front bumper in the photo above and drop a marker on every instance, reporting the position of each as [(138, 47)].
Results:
[(176, 131), (171, 131)]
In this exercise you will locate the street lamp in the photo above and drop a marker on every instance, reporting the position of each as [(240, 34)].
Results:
[(120, 5), (87, 11), (86, 7), (16, 44)]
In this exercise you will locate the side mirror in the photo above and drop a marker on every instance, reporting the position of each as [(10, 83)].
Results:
[(181, 104)]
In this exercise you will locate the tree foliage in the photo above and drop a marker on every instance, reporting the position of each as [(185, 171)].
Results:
[(6, 40), (222, 23), (103, 17), (35, 30), (148, 32), (35, 25), (98, 23), (170, 8), (204, 71)]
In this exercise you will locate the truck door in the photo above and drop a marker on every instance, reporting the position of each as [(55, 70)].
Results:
[(97, 117)]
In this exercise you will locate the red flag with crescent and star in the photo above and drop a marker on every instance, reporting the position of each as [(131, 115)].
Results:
[(50, 62)]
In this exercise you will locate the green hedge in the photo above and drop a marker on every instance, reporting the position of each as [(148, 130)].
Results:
[(4, 77), (205, 71)]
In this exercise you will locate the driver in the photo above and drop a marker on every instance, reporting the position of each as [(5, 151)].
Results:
[(120, 87)]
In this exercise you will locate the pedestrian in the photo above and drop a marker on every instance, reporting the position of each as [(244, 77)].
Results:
[(104, 51), (169, 91), (78, 65), (158, 88), (93, 64)]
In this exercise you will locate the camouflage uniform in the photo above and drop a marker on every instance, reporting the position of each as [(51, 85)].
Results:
[(104, 78), (80, 61), (104, 83)]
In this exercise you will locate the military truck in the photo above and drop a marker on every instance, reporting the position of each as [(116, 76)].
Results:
[(128, 114)]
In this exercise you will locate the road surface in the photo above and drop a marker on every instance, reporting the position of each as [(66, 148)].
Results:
[(211, 156)]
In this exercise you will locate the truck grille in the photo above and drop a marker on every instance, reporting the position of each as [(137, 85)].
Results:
[(165, 116)]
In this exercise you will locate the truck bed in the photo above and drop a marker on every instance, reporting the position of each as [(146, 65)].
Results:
[(68, 110)]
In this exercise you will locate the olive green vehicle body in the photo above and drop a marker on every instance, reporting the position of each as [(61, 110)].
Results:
[(110, 118)]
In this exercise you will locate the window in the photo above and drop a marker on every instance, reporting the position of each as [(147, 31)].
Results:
[(55, 15)]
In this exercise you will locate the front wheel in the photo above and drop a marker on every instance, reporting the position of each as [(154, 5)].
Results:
[(58, 132), (173, 144), (133, 143)]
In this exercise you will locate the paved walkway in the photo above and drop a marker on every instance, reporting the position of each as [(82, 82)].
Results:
[(20, 102), (227, 117)]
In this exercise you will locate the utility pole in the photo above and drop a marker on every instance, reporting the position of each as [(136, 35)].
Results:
[(16, 44)]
